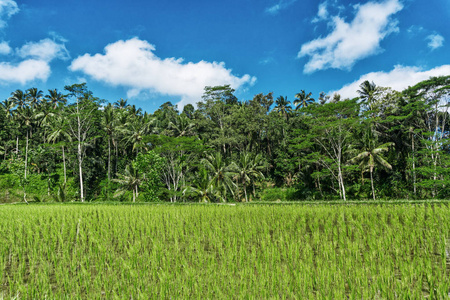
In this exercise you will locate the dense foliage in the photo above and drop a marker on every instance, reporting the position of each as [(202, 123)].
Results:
[(223, 251), (73, 146)]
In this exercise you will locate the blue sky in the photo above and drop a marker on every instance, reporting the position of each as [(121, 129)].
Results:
[(150, 52)]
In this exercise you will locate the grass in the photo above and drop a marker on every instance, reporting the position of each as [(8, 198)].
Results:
[(222, 251)]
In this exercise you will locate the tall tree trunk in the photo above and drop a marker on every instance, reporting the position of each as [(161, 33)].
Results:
[(341, 177), (64, 164), (414, 166), (26, 157), (116, 155), (318, 181), (245, 192), (137, 191), (48, 182), (80, 170), (25, 174), (109, 160), (371, 182), (80, 153)]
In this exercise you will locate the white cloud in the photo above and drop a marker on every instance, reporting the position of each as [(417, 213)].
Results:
[(45, 50), (132, 64), (399, 78), (7, 9), (322, 13), (35, 64), (435, 41), (31, 61), (25, 71), (350, 42), (282, 4), (4, 48)]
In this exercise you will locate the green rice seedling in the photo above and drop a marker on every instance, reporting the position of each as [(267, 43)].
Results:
[(218, 251)]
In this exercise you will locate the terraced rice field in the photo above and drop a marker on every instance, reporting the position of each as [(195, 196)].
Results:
[(218, 251)]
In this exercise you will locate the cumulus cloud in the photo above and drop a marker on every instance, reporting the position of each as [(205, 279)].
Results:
[(31, 61), (435, 41), (133, 64), (7, 9), (282, 4), (25, 71), (350, 42), (4, 48), (45, 50), (399, 78)]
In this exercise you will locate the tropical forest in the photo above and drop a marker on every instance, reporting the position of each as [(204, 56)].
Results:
[(68, 145)]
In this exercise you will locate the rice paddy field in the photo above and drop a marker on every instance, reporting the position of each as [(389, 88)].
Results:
[(219, 251)]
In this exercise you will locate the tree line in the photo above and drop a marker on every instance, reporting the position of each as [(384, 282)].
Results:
[(72, 146)]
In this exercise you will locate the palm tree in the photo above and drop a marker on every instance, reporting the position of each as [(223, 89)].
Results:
[(221, 174), (323, 98), (44, 117), (367, 92), (34, 97), (26, 117), (121, 104), (7, 106), (59, 132), (109, 126), (134, 111), (135, 130), (283, 106), (302, 99), (131, 180), (203, 188), (248, 171), (19, 98), (371, 156), (181, 126), (55, 98)]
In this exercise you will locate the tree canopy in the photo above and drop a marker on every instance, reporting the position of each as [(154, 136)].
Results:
[(70, 145)]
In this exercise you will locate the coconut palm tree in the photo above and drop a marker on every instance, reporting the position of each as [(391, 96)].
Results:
[(283, 106), (371, 157), (181, 126), (121, 104), (302, 99), (55, 98), (249, 169), (19, 98), (59, 132), (44, 117), (130, 180), (7, 106), (135, 130), (109, 127), (367, 92), (203, 188), (34, 97), (323, 98), (26, 117), (134, 111), (221, 174)]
